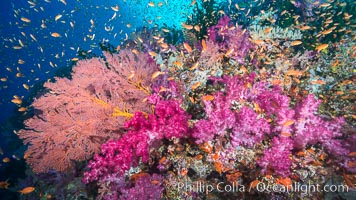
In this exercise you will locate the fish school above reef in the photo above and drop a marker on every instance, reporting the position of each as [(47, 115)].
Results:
[(253, 101)]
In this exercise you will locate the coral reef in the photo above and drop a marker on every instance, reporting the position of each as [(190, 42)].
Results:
[(235, 108)]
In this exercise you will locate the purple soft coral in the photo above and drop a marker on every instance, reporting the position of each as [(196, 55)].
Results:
[(250, 128), (232, 38), (220, 119), (278, 156), (310, 128), (232, 113)]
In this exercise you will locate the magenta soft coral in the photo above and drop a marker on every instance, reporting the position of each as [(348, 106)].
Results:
[(231, 113), (249, 129), (278, 156), (117, 156), (311, 128), (169, 120), (220, 118)]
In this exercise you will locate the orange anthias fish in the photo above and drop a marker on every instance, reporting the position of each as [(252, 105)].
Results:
[(26, 190), (4, 184), (55, 34), (295, 43), (321, 47), (187, 47), (203, 44)]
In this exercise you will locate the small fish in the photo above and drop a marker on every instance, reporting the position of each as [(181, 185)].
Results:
[(203, 44), (327, 32), (229, 52), (286, 134), (140, 39), (64, 2), (186, 26), (194, 66), (267, 30), (294, 73), (257, 108), (197, 28), (26, 190), (151, 4), (164, 45), (54, 34), (21, 62), (165, 30), (304, 28), (160, 40), (319, 82), (187, 47), (24, 19), (51, 64), (22, 109), (116, 8), (57, 17), (196, 85), (16, 101), (6, 160), (156, 74), (152, 53), (321, 47), (324, 5), (160, 4), (26, 86), (4, 184), (135, 51), (258, 42), (237, 6), (21, 44), (33, 37), (295, 43), (3, 79), (288, 122), (208, 97), (26, 155)]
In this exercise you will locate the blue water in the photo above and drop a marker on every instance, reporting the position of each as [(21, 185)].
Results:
[(59, 51)]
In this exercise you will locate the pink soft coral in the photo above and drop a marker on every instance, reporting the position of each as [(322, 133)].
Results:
[(169, 120), (117, 156), (311, 128), (220, 119), (232, 113), (278, 156), (249, 129)]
